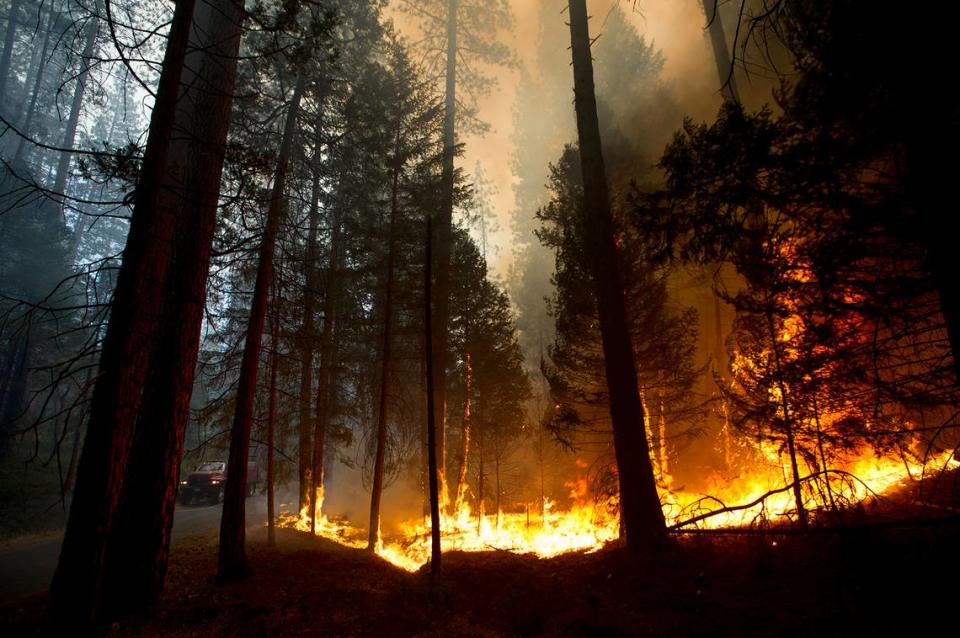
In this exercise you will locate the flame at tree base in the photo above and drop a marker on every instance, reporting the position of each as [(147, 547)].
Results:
[(588, 526), (584, 528)]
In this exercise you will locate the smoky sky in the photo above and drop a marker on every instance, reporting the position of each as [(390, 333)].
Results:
[(675, 27)]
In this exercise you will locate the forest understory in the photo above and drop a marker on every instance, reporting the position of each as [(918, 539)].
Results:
[(886, 571), (863, 582)]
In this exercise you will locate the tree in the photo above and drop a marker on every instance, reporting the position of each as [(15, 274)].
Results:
[(664, 338), (412, 114), (232, 557), (639, 502), (721, 53), (127, 355), (469, 29), (493, 385), (842, 324)]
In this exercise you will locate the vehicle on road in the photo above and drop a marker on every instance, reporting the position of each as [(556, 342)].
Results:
[(207, 483)]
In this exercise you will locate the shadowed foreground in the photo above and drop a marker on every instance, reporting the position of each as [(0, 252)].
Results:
[(756, 586)]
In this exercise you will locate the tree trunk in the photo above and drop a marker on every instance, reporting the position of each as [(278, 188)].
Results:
[(70, 479), (424, 446), (272, 408), (137, 561), (434, 475), (787, 422), (14, 388), (928, 184), (480, 482), (304, 430), (386, 362), (496, 471), (662, 441), (721, 53), (325, 376), (5, 58), (639, 502), (461, 492), (70, 134), (38, 75), (36, 58), (441, 296), (232, 559), (125, 359)]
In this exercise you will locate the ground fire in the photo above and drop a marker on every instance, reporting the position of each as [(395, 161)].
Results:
[(759, 500)]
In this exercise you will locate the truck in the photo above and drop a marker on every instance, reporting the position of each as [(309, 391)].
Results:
[(206, 483)]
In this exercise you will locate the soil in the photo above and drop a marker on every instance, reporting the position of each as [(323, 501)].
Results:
[(863, 582)]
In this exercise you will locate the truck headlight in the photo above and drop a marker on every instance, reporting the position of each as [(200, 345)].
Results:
[(215, 482), (183, 482)]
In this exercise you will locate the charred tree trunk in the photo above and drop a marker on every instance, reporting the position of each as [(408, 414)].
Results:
[(431, 409), (639, 502), (441, 266), (125, 359), (376, 490), (305, 431), (137, 560), (232, 559), (70, 135), (721, 53)]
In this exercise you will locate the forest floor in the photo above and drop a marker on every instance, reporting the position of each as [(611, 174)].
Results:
[(863, 582)]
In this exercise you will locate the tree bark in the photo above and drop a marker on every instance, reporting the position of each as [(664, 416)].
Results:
[(376, 490), (125, 360), (232, 559), (640, 508), (441, 267), (721, 53), (137, 562)]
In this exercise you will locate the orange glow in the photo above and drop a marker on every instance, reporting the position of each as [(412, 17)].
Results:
[(588, 524)]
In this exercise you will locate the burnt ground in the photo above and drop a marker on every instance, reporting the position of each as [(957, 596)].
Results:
[(865, 581)]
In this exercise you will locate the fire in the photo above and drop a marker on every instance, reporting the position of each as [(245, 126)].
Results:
[(587, 525), (860, 479)]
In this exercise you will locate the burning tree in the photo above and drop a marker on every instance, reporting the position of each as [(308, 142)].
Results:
[(840, 350)]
